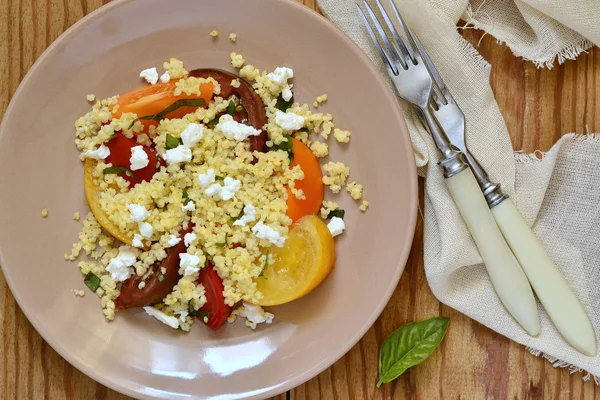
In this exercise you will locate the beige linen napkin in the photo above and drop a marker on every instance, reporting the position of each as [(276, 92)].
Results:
[(559, 194)]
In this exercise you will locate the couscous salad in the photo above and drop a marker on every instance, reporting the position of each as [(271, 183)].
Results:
[(207, 195)]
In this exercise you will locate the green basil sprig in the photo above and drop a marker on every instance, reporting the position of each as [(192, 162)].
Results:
[(172, 142), (178, 104), (336, 213), (118, 171), (92, 281), (283, 104), (410, 345)]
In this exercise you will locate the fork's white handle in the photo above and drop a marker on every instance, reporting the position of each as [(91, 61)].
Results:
[(506, 274), (561, 304)]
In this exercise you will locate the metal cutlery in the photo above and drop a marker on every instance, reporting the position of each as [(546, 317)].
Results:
[(414, 84), (553, 291)]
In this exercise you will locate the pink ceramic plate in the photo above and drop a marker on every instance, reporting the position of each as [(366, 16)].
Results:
[(39, 167)]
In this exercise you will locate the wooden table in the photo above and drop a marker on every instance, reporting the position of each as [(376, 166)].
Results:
[(473, 362)]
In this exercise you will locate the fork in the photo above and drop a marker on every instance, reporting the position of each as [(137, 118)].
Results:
[(553, 291), (414, 84)]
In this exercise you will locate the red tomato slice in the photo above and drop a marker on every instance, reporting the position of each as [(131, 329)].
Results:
[(120, 154), (311, 185), (218, 311)]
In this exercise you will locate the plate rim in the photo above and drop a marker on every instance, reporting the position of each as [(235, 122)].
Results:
[(412, 186)]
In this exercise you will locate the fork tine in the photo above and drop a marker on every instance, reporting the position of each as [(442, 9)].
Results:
[(384, 57), (400, 46), (404, 28), (439, 85), (392, 51)]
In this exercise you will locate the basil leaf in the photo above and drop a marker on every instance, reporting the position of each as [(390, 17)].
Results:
[(91, 281), (282, 104), (186, 197), (114, 135), (409, 346), (178, 104), (265, 265), (172, 142), (197, 313), (159, 275), (336, 213), (118, 171), (213, 122), (231, 108), (219, 178), (285, 146)]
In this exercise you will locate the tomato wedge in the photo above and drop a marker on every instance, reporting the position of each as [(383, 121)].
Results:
[(311, 185), (218, 311), (120, 154), (153, 99)]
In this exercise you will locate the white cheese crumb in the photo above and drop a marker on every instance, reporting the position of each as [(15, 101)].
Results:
[(139, 158), (188, 238), (254, 315), (173, 240), (190, 206), (336, 226), (150, 75), (206, 179), (289, 121), (192, 134), (138, 212), (164, 78), (249, 215), (162, 317), (189, 263), (280, 76), (235, 83), (120, 266), (141, 285), (263, 231), (137, 240), (99, 154), (233, 130), (179, 154), (225, 192), (146, 229)]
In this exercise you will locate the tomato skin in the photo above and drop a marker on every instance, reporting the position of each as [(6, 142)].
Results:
[(155, 289), (218, 311), (120, 153)]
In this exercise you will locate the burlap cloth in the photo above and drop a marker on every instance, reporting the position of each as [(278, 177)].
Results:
[(558, 192)]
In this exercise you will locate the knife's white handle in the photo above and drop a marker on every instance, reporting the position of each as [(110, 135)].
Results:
[(506, 274), (561, 304)]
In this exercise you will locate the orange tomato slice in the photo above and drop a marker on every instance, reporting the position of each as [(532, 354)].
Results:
[(150, 100), (311, 185), (92, 194), (304, 261)]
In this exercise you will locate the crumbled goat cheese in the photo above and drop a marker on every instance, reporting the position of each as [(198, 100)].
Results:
[(150, 75), (99, 154), (263, 231), (233, 130)]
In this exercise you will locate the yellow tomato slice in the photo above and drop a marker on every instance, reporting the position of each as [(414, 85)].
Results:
[(92, 194), (304, 261)]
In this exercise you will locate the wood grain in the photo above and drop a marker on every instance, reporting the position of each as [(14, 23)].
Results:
[(472, 363)]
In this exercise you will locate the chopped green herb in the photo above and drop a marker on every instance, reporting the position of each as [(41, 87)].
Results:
[(231, 108), (336, 213), (91, 281), (159, 275), (172, 142), (118, 171), (233, 219), (219, 178), (303, 129), (285, 146), (197, 313), (224, 244), (172, 107), (186, 197), (213, 122), (114, 135), (265, 264), (282, 104), (207, 258)]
